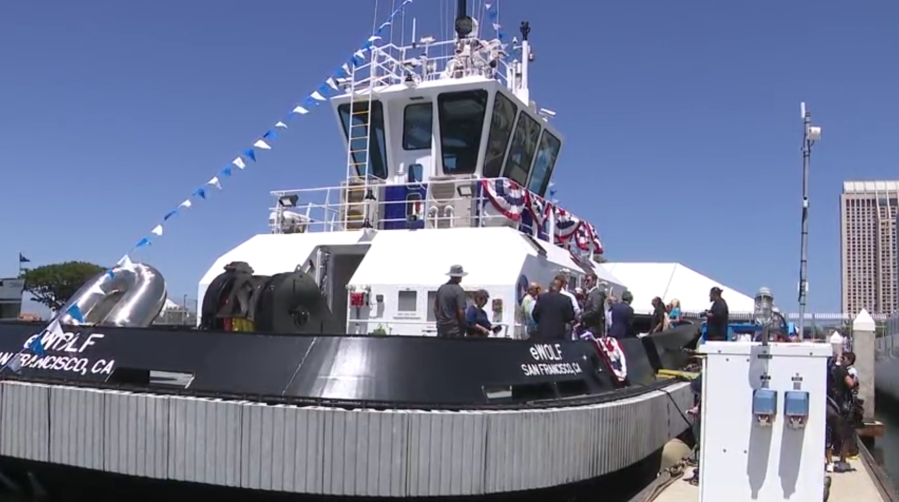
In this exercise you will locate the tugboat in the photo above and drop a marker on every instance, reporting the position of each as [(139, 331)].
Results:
[(315, 369)]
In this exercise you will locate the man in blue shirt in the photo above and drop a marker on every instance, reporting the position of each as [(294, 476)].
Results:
[(622, 317)]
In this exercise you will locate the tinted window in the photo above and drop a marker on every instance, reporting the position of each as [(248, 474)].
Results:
[(461, 116), (357, 137), (544, 163), (521, 153), (501, 123), (418, 122)]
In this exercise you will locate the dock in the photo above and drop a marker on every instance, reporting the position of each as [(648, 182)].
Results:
[(862, 483)]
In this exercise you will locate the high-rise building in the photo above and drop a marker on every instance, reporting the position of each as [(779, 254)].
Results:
[(869, 250)]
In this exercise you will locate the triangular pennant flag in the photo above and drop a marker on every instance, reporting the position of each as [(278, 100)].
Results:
[(346, 68), (407, 2), (15, 364), (318, 96), (383, 25), (200, 192), (75, 312), (282, 125), (250, 154), (332, 83), (487, 6), (226, 171), (37, 346), (215, 182), (186, 204), (300, 110), (53, 333), (168, 215), (95, 288), (270, 135), (238, 163), (262, 145), (157, 231), (373, 38), (126, 263), (142, 243)]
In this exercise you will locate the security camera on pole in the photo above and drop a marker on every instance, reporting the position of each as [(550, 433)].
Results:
[(811, 134)]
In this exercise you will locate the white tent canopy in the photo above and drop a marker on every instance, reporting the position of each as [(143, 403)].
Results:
[(673, 280)]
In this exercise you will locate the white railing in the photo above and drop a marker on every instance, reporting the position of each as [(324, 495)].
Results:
[(340, 208), (392, 64), (376, 327)]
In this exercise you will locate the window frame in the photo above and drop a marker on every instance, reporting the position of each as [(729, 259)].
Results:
[(499, 97), (377, 149), (442, 99), (551, 165), (406, 137), (507, 166)]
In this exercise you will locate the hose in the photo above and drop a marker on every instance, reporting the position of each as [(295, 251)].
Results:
[(665, 479)]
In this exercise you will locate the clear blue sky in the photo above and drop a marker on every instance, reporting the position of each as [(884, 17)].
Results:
[(681, 122)]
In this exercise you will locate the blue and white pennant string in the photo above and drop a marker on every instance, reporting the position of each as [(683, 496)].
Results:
[(241, 162), (264, 143), (493, 17)]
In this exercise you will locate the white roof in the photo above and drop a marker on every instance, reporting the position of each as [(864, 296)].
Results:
[(673, 280), (492, 256), (170, 305), (870, 186)]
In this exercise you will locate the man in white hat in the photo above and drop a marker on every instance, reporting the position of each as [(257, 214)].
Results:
[(449, 305)]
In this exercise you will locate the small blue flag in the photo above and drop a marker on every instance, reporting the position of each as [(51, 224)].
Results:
[(226, 171), (168, 215), (142, 243), (250, 154), (37, 347), (200, 192), (75, 312), (110, 274), (270, 135)]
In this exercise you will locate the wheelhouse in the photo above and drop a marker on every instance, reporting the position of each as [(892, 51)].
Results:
[(463, 128)]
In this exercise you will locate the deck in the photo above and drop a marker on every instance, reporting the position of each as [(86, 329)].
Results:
[(857, 485)]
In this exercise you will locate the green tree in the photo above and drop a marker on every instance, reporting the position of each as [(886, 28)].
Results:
[(53, 285)]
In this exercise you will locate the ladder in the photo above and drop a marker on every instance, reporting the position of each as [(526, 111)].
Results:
[(359, 142)]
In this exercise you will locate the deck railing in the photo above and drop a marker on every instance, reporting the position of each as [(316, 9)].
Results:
[(438, 203)]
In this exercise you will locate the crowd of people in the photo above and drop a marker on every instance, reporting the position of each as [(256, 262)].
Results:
[(555, 312)]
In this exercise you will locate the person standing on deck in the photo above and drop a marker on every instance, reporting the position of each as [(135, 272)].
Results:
[(717, 317), (449, 305), (622, 317), (562, 279), (553, 314), (527, 309), (594, 315)]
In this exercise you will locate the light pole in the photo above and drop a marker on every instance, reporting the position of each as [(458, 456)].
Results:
[(810, 134)]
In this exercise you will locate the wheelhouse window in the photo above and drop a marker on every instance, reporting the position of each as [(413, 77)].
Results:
[(374, 163), (544, 163), (418, 125), (521, 153), (461, 116), (501, 123)]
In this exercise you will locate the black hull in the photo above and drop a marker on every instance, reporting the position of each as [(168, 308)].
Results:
[(386, 416), (369, 371)]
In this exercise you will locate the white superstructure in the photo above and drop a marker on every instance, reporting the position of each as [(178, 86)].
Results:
[(448, 162)]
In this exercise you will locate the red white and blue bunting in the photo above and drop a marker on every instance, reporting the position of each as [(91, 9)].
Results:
[(506, 196), (513, 202)]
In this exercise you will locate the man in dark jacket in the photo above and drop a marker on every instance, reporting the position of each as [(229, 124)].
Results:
[(594, 314), (553, 312), (622, 317), (717, 317), (449, 305)]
